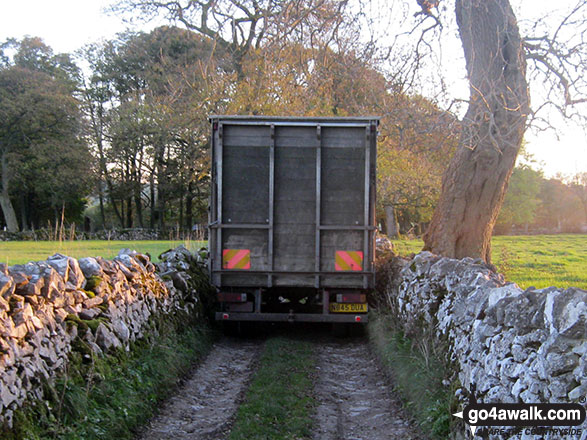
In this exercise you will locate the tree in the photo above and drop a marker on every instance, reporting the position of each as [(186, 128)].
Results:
[(558, 207), (148, 99), (474, 185), (578, 185), (41, 147), (522, 200), (416, 143), (239, 26)]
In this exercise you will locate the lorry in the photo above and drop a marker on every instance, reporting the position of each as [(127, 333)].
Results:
[(292, 218)]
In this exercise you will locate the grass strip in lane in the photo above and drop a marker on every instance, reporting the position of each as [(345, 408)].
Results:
[(279, 404)]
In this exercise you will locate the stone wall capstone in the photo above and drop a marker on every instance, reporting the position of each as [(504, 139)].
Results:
[(49, 308), (508, 345)]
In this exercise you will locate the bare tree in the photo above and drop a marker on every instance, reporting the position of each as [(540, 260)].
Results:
[(239, 26), (475, 182), (557, 58)]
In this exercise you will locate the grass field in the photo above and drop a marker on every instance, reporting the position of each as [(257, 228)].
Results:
[(21, 252), (532, 260)]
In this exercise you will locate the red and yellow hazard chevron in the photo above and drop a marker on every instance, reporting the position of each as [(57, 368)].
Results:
[(348, 260), (236, 259)]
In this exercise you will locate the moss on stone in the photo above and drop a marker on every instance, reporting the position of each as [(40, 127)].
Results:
[(77, 321), (93, 282), (73, 318), (79, 345), (89, 293), (94, 323)]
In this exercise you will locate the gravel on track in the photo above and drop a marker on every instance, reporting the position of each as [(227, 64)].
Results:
[(205, 405), (355, 400)]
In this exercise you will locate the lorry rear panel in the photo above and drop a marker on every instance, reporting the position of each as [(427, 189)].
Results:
[(292, 206)]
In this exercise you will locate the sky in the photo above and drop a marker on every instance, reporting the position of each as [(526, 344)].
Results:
[(67, 25)]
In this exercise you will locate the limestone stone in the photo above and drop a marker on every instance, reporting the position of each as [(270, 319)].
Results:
[(105, 338), (35, 285), (76, 276), (4, 305), (60, 314), (7, 285), (578, 392), (19, 331), (89, 314), (54, 283), (93, 302), (567, 312), (90, 267), (557, 364), (121, 330), (36, 322), (36, 333), (20, 279), (60, 263), (6, 395)]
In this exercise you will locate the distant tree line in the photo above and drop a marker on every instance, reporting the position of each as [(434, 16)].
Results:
[(126, 137), (534, 203), (118, 132), (45, 163)]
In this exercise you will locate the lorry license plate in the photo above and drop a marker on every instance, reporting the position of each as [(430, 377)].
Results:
[(348, 308)]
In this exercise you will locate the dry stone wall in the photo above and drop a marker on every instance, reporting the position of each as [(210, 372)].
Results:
[(91, 305), (508, 345)]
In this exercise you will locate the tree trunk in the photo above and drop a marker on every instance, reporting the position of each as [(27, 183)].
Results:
[(24, 222), (392, 228), (129, 223), (161, 186), (180, 222), (122, 213), (474, 185), (97, 126), (152, 194), (101, 200), (138, 188), (139, 208), (188, 207), (5, 202)]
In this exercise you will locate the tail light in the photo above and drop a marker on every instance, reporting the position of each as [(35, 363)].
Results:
[(232, 297), (351, 298)]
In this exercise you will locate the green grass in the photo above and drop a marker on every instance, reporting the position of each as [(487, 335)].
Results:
[(542, 260), (406, 247), (284, 373), (111, 397), (532, 260), (418, 371), (537, 260), (21, 252)]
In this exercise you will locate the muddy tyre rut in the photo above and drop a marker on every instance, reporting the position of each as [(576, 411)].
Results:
[(205, 405), (354, 399)]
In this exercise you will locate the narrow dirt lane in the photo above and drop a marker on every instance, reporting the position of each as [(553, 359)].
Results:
[(355, 401), (205, 405)]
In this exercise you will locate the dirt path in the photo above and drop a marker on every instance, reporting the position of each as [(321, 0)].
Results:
[(205, 405), (355, 401)]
